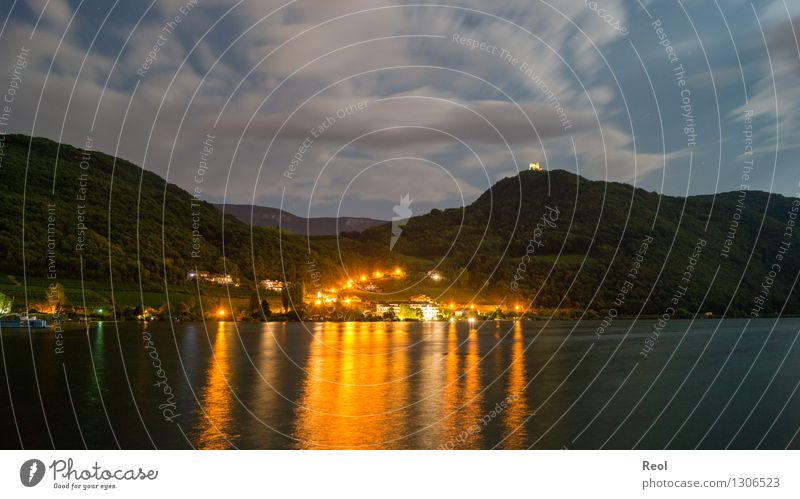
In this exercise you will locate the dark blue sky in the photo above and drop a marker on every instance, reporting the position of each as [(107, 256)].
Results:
[(376, 99)]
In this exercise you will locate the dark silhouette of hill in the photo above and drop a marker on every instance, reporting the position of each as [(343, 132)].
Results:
[(583, 258), (555, 238), (122, 221), (263, 216)]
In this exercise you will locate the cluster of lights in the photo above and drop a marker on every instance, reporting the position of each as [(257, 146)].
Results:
[(351, 283), (378, 274)]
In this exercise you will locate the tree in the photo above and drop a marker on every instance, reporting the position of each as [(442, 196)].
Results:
[(409, 313), (265, 308), (56, 297), (185, 307), (5, 304), (254, 306), (292, 296), (296, 291), (285, 297)]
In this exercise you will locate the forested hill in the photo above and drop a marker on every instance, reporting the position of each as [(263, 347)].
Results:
[(130, 223), (584, 257), (119, 218)]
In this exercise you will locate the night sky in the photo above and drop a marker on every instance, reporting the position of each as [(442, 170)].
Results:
[(377, 99)]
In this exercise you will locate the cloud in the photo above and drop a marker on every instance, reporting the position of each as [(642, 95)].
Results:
[(414, 118), (303, 62), (53, 12)]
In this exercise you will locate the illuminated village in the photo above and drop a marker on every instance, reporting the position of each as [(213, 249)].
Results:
[(364, 297)]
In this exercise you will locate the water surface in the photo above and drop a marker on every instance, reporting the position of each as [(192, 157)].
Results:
[(711, 384)]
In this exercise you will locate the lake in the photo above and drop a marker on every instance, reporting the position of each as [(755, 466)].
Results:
[(543, 385)]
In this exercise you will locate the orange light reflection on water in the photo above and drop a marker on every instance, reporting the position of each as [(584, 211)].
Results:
[(461, 397), (214, 427), (373, 385), (517, 411), (356, 392)]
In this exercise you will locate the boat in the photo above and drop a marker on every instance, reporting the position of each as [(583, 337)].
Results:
[(22, 322)]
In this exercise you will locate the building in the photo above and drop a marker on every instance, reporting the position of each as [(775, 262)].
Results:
[(370, 287), (535, 167), (208, 277), (384, 307), (435, 275), (221, 279), (323, 298), (271, 284), (429, 309), (352, 301), (197, 275)]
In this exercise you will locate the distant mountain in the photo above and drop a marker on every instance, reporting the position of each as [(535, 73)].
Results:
[(262, 216)]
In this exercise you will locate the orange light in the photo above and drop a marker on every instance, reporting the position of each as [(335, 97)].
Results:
[(318, 302), (363, 278), (398, 271), (378, 274), (221, 312), (333, 290)]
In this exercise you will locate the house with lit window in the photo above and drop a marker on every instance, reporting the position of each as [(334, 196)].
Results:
[(204, 276), (271, 284)]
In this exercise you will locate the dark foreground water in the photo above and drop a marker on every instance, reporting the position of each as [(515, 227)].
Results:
[(397, 385)]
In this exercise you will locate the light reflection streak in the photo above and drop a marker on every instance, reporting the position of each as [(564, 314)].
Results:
[(357, 389), (215, 427)]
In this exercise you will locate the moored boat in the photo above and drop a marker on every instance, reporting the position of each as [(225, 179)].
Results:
[(22, 322)]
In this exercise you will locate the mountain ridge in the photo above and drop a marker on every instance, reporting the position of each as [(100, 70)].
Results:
[(580, 258), (264, 216)]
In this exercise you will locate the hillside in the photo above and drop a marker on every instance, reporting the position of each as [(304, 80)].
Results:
[(262, 216), (582, 259), (124, 222), (130, 226)]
